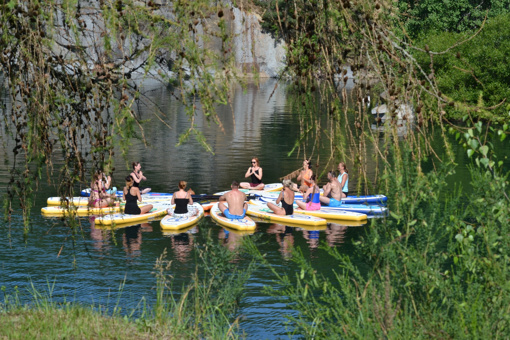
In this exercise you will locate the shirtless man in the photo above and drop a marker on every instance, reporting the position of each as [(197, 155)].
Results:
[(236, 200), (332, 195)]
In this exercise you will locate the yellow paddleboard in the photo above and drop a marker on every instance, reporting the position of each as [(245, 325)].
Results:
[(245, 223), (158, 210), (296, 219)]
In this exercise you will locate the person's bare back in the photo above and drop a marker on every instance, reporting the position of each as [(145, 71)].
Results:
[(333, 189), (236, 201)]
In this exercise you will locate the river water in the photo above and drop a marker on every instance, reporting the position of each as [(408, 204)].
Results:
[(91, 266)]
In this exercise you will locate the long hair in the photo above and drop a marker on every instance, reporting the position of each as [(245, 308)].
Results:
[(135, 164), (256, 160), (129, 181)]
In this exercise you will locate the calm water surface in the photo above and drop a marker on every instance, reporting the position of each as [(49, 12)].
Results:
[(91, 266)]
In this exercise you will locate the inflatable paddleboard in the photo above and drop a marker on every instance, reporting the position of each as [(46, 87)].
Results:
[(82, 201), (245, 223), (265, 213), (359, 208), (78, 210), (370, 199), (118, 193), (174, 222), (158, 210), (322, 213)]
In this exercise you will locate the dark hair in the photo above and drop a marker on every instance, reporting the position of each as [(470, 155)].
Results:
[(135, 164), (333, 173), (129, 181), (235, 184), (309, 162), (313, 177)]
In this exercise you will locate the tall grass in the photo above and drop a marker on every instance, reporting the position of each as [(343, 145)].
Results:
[(437, 268)]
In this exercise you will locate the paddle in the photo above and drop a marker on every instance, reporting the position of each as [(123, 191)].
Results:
[(197, 198)]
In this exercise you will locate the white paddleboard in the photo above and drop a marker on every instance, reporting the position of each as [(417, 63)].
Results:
[(174, 222), (262, 211)]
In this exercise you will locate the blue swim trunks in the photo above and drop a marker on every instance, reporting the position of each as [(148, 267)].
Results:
[(334, 203), (234, 217)]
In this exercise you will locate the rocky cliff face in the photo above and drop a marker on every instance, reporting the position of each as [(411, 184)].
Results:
[(254, 50)]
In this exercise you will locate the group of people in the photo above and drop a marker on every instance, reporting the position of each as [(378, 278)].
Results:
[(334, 191), (102, 195)]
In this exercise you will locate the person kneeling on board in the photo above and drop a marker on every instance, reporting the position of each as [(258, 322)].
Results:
[(132, 196), (236, 201), (183, 202), (286, 197)]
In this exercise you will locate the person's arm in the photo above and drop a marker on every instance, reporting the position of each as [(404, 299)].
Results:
[(107, 182), (124, 194), (249, 172), (300, 177), (327, 189), (280, 197), (138, 194), (142, 177), (135, 177), (173, 198), (222, 198), (344, 178), (190, 199)]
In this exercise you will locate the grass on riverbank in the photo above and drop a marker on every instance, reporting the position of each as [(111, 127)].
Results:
[(70, 322)]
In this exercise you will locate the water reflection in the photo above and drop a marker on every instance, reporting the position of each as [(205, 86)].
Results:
[(284, 237), (335, 234), (183, 243), (232, 239)]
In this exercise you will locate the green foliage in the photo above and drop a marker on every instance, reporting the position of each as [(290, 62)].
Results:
[(474, 74), (423, 17), (438, 269)]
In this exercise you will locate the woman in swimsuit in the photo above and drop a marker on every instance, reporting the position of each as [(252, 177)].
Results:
[(287, 199), (98, 197), (138, 176), (182, 200), (132, 196), (304, 176), (312, 196), (255, 172)]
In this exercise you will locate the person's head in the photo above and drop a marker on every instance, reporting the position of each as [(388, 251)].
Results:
[(287, 183), (255, 161), (331, 175), (312, 178), (129, 181), (135, 165), (341, 166), (234, 185), (97, 176), (307, 163), (182, 184)]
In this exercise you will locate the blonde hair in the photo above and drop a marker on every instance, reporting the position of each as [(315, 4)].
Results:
[(182, 184), (287, 183)]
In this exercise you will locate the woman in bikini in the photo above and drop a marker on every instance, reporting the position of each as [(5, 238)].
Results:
[(138, 176), (312, 196), (286, 197), (255, 172), (131, 195), (304, 176), (182, 200), (98, 197)]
